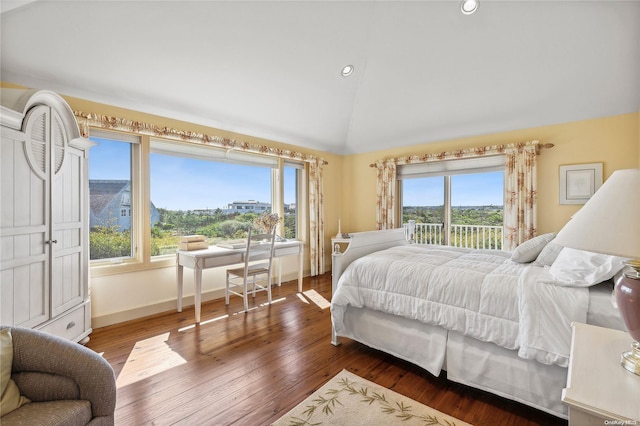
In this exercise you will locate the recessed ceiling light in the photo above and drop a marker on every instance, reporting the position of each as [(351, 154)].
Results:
[(469, 6), (347, 70)]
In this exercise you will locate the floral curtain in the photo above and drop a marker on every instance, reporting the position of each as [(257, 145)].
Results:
[(520, 186), (87, 120), (316, 217), (520, 195), (386, 185), (316, 205)]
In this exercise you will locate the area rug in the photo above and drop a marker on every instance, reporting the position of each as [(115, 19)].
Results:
[(351, 400)]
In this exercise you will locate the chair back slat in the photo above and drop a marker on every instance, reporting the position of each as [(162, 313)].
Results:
[(260, 247), (259, 243)]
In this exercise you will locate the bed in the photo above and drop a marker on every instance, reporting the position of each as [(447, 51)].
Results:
[(494, 320)]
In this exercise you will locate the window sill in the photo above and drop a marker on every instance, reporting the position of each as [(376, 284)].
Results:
[(101, 270)]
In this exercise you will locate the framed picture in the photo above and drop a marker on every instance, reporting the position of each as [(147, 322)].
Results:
[(578, 182)]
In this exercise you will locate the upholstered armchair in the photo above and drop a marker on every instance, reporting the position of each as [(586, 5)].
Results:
[(67, 383)]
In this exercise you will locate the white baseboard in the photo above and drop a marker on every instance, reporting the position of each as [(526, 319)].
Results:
[(158, 308), (169, 305)]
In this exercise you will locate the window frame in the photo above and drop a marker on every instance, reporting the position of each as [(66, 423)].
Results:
[(446, 169), (214, 155), (136, 143), (141, 202), (298, 181)]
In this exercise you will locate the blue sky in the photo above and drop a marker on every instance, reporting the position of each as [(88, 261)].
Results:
[(184, 184), (466, 190)]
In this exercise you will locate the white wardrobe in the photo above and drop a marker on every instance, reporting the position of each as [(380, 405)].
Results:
[(44, 235)]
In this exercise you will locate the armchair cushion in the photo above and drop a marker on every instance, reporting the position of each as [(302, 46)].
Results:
[(10, 399), (68, 383), (46, 386), (51, 413)]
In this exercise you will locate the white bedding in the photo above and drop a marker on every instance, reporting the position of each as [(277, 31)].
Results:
[(478, 293), (602, 310), (546, 313)]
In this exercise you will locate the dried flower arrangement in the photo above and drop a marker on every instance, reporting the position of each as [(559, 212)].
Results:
[(267, 221)]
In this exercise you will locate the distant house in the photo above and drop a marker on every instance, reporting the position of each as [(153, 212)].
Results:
[(110, 204), (248, 207)]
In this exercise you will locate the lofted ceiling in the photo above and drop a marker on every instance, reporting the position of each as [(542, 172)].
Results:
[(424, 72)]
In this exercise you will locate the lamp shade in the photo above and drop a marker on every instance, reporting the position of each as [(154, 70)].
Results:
[(609, 222)]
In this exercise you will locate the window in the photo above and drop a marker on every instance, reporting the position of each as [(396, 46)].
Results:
[(203, 190), (146, 192), (292, 182), (455, 202), (111, 168), (423, 201)]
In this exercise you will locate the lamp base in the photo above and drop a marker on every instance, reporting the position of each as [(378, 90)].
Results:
[(631, 360), (627, 291)]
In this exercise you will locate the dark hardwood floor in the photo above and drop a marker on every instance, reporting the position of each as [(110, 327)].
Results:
[(251, 368)]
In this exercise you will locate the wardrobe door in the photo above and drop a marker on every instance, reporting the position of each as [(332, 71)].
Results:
[(67, 269), (24, 221)]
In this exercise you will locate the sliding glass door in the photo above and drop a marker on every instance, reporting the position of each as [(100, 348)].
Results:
[(423, 200), (454, 206)]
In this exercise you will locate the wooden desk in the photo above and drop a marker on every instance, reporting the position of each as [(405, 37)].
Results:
[(214, 257)]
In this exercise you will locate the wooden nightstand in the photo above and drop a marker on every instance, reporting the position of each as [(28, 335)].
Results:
[(599, 391)]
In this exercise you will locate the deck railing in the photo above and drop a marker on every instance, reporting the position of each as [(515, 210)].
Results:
[(468, 236)]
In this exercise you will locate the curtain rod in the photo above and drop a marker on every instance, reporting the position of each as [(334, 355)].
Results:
[(538, 147)]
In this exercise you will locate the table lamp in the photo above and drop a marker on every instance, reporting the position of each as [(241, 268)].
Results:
[(609, 223)]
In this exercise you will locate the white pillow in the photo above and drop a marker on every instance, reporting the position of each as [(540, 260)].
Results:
[(578, 268), (530, 249), (548, 255)]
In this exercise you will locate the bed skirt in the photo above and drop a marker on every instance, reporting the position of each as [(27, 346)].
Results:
[(471, 362)]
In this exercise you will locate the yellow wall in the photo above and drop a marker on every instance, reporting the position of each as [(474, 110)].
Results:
[(350, 195), (332, 177), (154, 290), (349, 182), (614, 141)]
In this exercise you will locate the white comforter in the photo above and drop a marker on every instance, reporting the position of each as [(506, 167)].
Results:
[(478, 293)]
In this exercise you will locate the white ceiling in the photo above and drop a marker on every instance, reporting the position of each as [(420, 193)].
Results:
[(424, 72)]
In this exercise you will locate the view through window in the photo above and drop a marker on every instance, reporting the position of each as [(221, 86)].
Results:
[(197, 196), (463, 210), (110, 220), (292, 179), (192, 190)]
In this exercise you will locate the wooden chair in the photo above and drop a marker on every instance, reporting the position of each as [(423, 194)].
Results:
[(251, 274)]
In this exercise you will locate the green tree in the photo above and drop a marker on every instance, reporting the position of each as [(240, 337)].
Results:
[(230, 228), (108, 242)]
